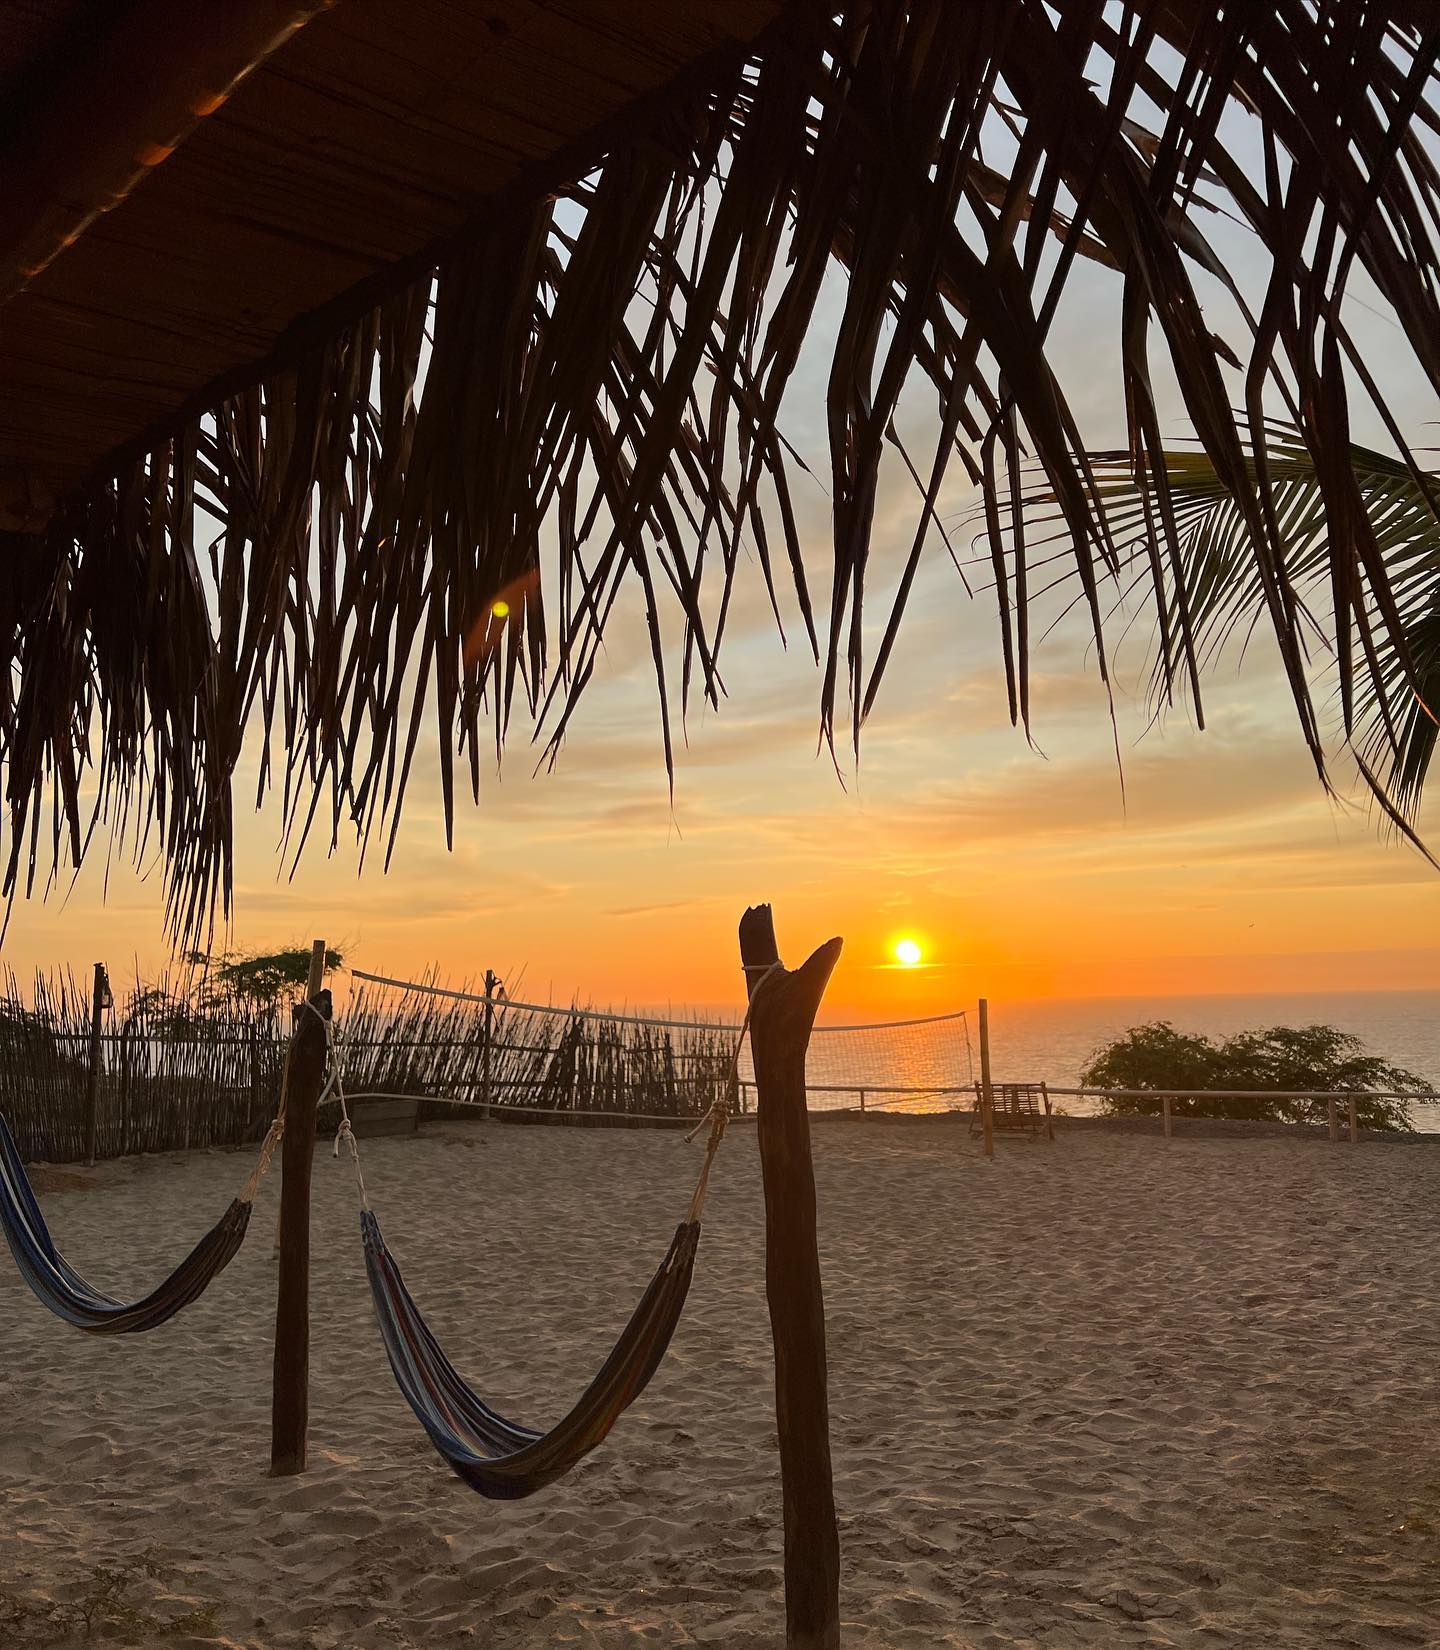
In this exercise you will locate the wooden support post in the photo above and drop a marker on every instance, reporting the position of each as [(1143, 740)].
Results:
[(1334, 1119), (987, 1088), (1354, 1122), (862, 1100), (1049, 1110), (783, 1012), (492, 979), (1165, 1112), (99, 1002), (305, 1076)]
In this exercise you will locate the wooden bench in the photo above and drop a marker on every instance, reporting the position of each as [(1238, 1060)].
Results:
[(1016, 1108)]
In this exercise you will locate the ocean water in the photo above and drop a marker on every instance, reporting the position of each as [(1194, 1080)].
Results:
[(1052, 1040)]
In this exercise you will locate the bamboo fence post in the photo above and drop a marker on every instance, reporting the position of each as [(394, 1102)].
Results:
[(305, 1076), (1165, 1112), (987, 1088), (125, 1084), (99, 998), (1354, 1122), (783, 1009), (256, 1091), (491, 981), (1334, 1119)]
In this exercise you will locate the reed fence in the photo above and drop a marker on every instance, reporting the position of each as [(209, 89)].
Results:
[(173, 1072)]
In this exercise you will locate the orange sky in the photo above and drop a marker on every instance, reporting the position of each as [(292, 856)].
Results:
[(1024, 870), (1222, 867)]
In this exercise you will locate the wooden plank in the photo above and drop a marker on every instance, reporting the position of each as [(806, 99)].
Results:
[(381, 1117), (783, 1009), (111, 115), (367, 150), (305, 1076)]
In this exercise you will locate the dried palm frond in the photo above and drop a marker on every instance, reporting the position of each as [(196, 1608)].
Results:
[(605, 393)]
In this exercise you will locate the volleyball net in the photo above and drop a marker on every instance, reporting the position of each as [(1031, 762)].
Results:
[(456, 1048)]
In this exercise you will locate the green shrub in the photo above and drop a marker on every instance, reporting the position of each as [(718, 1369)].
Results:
[(1307, 1060)]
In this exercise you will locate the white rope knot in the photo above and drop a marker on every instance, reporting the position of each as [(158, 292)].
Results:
[(273, 1136), (334, 1083), (717, 1117)]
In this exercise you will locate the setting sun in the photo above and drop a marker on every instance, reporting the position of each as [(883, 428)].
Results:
[(908, 952)]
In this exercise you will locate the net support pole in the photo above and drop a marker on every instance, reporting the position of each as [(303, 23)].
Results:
[(99, 991), (1354, 1121), (987, 1089), (305, 1077), (785, 1006), (492, 979)]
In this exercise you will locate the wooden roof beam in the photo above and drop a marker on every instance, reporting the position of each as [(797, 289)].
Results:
[(119, 111)]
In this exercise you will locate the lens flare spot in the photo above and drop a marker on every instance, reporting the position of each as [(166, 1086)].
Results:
[(500, 610)]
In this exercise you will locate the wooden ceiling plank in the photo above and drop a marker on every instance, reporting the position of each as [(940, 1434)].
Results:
[(378, 136), (116, 113)]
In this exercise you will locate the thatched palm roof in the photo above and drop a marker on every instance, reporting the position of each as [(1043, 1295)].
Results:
[(240, 480), (335, 171)]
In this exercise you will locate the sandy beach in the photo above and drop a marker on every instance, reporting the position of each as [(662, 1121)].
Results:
[(1107, 1393)]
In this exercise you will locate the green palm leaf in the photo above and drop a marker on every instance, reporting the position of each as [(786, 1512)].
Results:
[(1388, 678)]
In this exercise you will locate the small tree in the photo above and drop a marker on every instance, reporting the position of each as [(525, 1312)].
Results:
[(260, 977), (27, 1039), (1156, 1057), (1275, 1064)]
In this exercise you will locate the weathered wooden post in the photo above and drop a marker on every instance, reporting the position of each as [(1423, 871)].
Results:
[(492, 979), (1049, 1110), (783, 1010), (304, 1079), (1354, 1122), (1165, 1113), (99, 1001), (1333, 1119), (987, 1090)]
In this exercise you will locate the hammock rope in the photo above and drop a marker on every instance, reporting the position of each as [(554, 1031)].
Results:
[(59, 1286), (499, 1458)]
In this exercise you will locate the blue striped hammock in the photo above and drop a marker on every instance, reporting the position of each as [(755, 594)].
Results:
[(499, 1458), (67, 1294)]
